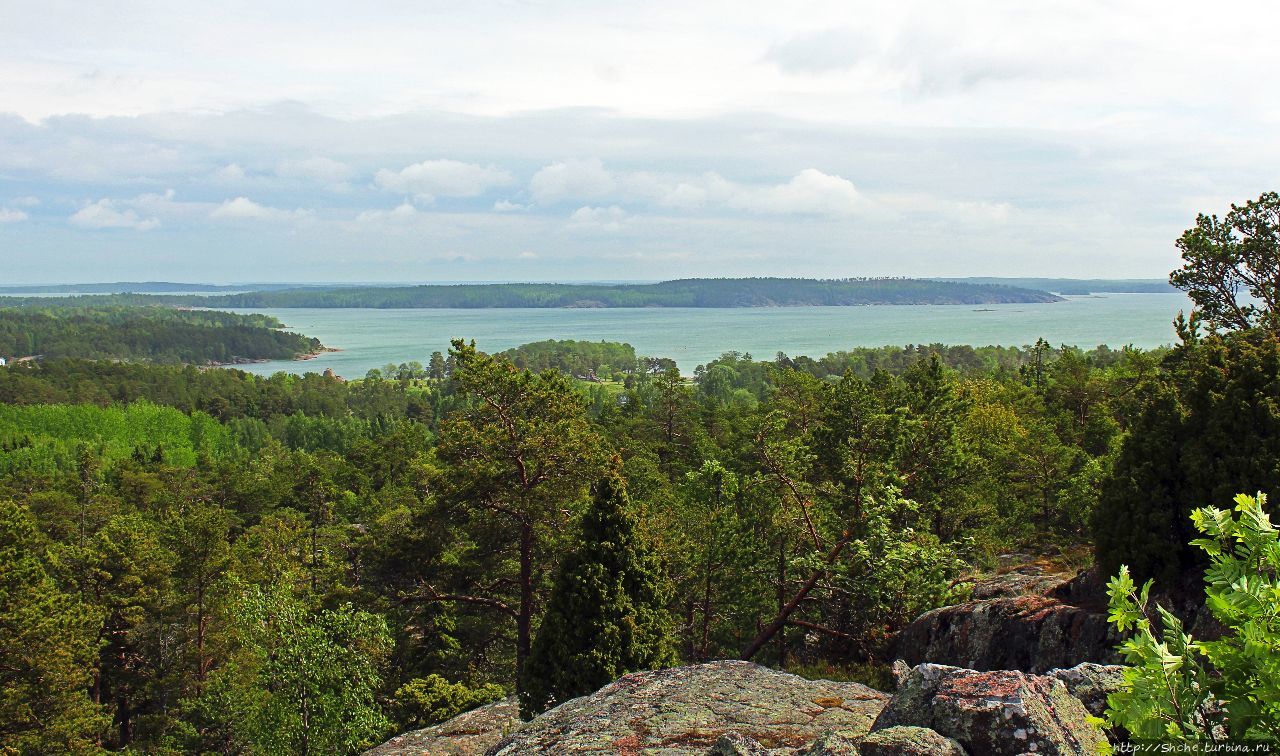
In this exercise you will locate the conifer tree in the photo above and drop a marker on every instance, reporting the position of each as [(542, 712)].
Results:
[(1211, 428), (47, 644), (606, 616)]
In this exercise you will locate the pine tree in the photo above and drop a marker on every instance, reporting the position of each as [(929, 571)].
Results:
[(606, 616), (47, 644)]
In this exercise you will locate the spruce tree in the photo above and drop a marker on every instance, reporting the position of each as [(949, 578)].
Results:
[(606, 616)]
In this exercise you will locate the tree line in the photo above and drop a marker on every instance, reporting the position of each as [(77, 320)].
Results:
[(693, 292)]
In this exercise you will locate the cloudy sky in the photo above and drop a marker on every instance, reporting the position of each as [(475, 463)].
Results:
[(414, 140)]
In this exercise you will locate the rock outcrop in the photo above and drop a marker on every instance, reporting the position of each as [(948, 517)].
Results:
[(471, 733), (1091, 684), (686, 710), (1000, 712), (733, 708), (1027, 622), (907, 740)]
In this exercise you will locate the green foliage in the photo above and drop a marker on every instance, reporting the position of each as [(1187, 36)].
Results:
[(893, 575), (301, 681), (1230, 266), (1208, 427), (45, 437), (604, 359), (606, 615), (48, 640), (424, 701), (1178, 688)]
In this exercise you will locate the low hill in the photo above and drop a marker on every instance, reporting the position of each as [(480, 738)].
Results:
[(692, 292), (1079, 286)]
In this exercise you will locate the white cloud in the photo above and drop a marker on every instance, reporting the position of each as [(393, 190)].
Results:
[(8, 215), (243, 208), (403, 211), (106, 213), (601, 218), (527, 255), (230, 173), (443, 178), (27, 201), (331, 173), (507, 206), (685, 196), (811, 192), (571, 179), (152, 202), (821, 51)]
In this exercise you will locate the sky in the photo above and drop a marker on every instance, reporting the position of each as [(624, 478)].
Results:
[(414, 140)]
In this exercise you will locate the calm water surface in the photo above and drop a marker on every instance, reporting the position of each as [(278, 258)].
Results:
[(694, 336)]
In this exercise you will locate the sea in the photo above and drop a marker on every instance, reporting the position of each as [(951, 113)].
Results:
[(368, 338)]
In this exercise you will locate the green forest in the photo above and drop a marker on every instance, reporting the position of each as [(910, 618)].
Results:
[(693, 292), (216, 562), (386, 528), (157, 334)]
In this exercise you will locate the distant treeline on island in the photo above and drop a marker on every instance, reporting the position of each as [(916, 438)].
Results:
[(1080, 286), (693, 292)]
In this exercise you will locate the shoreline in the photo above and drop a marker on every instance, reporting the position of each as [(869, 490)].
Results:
[(297, 358)]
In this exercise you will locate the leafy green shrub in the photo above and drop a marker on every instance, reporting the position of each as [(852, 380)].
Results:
[(1178, 688), (425, 701)]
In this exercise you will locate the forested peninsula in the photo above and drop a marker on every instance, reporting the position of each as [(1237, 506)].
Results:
[(153, 334), (691, 292)]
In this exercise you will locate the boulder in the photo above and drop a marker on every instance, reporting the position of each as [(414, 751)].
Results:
[(1029, 633), (1025, 583), (831, 744), (686, 710), (1091, 683), (902, 740), (736, 744), (468, 734), (1001, 712)]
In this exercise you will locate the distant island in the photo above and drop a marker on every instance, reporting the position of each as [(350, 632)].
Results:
[(692, 292), (1079, 286)]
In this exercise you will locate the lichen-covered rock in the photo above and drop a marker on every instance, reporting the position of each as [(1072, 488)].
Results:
[(901, 670), (1091, 683), (1016, 584), (685, 710), (737, 744), (905, 740), (468, 734), (831, 744), (1028, 633), (1001, 712)]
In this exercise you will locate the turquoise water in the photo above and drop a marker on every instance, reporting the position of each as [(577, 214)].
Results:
[(694, 336)]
